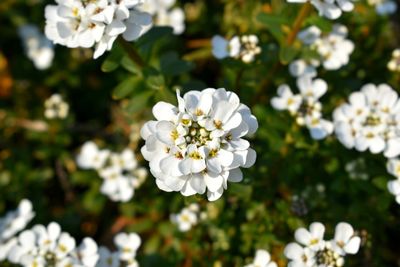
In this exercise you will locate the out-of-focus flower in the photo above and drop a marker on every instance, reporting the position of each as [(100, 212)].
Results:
[(119, 171), (357, 169), (384, 7), (56, 107), (262, 259), (199, 146), (305, 107), (244, 48), (370, 121), (11, 224), (331, 9), (127, 246), (37, 47), (166, 15), (186, 218), (79, 23), (315, 251), (393, 167), (301, 67), (394, 63)]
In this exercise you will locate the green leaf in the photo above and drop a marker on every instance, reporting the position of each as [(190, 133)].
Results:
[(153, 35), (274, 24), (113, 60), (126, 87), (155, 82), (129, 65), (287, 54), (139, 101), (172, 65)]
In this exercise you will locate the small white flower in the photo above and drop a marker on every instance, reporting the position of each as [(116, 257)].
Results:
[(87, 253), (299, 256), (37, 47), (56, 107), (107, 258), (370, 121), (394, 63), (244, 48), (345, 242), (312, 238), (331, 9), (394, 188), (165, 15), (90, 157), (187, 218), (262, 259), (383, 7), (305, 107), (127, 245), (199, 146), (309, 35), (301, 67)]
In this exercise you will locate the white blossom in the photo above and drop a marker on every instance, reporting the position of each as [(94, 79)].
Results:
[(186, 218), (56, 107), (37, 47), (91, 157), (331, 9), (165, 14), (393, 167), (370, 121), (314, 251), (127, 246), (394, 63), (305, 107), (301, 67), (383, 7), (199, 146), (244, 47), (262, 259), (78, 23)]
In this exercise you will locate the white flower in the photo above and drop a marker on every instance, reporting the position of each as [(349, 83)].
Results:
[(301, 67), (394, 188), (56, 107), (78, 23), (331, 9), (90, 157), (87, 253), (187, 218), (262, 259), (345, 242), (313, 238), (244, 48), (394, 63), (370, 121), (37, 47), (305, 107), (116, 186), (127, 245), (309, 35), (393, 167), (383, 7), (317, 252), (107, 258), (199, 146), (165, 15)]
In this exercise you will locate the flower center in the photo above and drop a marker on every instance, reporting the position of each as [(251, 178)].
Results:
[(327, 257)]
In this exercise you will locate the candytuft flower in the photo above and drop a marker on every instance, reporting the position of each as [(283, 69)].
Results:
[(78, 23), (262, 259), (199, 146), (331, 9), (244, 48)]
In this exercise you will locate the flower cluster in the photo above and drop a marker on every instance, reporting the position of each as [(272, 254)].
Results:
[(165, 15), (125, 255), (331, 9), (56, 107), (119, 171), (49, 246), (370, 121), (80, 23), (384, 7), (244, 48), (37, 47), (334, 50), (393, 167), (187, 217), (11, 224), (199, 146), (305, 107), (394, 63), (262, 259), (313, 251)]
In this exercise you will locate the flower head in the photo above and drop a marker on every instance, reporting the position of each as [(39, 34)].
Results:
[(394, 63), (331, 9), (199, 146), (262, 259), (56, 107)]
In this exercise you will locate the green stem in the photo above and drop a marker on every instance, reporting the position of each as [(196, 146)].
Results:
[(132, 53), (304, 12)]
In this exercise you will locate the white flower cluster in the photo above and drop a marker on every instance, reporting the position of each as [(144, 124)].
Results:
[(394, 63), (125, 255), (165, 14), (313, 251), (37, 47), (187, 217), (334, 50), (119, 171), (56, 107), (262, 259), (305, 107), (244, 48), (384, 7), (393, 167), (370, 121), (49, 246), (11, 224), (331, 9), (199, 146), (81, 23)]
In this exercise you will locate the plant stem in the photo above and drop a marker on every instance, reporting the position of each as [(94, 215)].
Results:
[(304, 12), (132, 53)]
